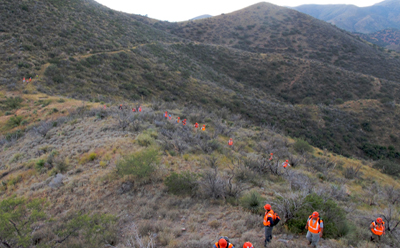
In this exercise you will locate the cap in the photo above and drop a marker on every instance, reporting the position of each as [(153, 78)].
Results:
[(222, 243), (267, 207), (315, 214)]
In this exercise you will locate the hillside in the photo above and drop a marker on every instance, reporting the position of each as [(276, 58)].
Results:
[(267, 28), (388, 38), (301, 96), (383, 15), (192, 188)]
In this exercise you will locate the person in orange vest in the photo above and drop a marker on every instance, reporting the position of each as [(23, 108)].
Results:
[(230, 142), (184, 122), (105, 106), (268, 223), (248, 245), (203, 128), (140, 109), (223, 242), (23, 80), (120, 106), (196, 125), (133, 109), (178, 120), (271, 157), (315, 227), (169, 117), (285, 164), (377, 229), (166, 114), (30, 79)]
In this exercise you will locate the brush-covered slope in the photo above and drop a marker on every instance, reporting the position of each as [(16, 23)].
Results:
[(97, 177), (387, 38), (149, 63), (267, 28), (370, 19)]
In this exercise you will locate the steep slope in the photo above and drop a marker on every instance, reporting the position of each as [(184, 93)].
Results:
[(370, 19), (266, 28), (151, 64), (194, 189)]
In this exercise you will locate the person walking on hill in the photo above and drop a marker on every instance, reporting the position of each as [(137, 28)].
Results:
[(203, 128), (166, 114), (120, 107), (178, 120), (315, 227), (133, 109), (184, 122), (230, 142), (196, 125), (140, 109), (223, 242), (268, 224), (248, 245), (377, 229), (23, 80), (285, 164)]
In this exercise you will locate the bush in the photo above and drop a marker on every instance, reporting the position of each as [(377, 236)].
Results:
[(181, 184), (302, 146), (139, 164), (335, 223), (388, 167), (253, 202), (144, 140), (11, 103), (39, 165), (14, 121)]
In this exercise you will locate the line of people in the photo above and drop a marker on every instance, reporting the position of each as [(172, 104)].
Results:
[(314, 227)]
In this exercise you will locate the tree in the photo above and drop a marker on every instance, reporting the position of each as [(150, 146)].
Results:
[(17, 216)]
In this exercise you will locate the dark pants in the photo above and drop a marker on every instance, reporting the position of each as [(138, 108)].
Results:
[(268, 234)]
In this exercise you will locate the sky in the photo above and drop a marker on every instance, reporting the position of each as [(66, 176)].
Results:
[(182, 10)]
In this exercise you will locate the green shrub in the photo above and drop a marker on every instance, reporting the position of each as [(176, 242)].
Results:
[(335, 223), (139, 164), (181, 184), (253, 202), (388, 167), (339, 101), (302, 146), (39, 165), (11, 103), (144, 140), (14, 121)]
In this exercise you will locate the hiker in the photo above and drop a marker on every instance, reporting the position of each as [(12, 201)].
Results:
[(166, 114), (230, 142), (184, 122), (30, 79), (377, 229), (223, 242), (271, 157), (23, 80), (268, 223), (178, 120), (285, 164), (196, 125), (169, 117), (248, 245), (203, 128), (140, 109), (120, 106), (105, 106), (133, 109), (315, 227)]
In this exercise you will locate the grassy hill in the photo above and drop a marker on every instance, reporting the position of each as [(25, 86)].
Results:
[(267, 28), (292, 90), (78, 169), (370, 19)]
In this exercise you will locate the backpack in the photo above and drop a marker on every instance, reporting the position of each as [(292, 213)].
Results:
[(276, 219)]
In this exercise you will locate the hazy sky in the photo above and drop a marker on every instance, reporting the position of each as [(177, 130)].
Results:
[(182, 10)]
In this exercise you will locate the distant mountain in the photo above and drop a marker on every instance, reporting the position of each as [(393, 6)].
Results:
[(388, 38), (370, 19), (201, 17)]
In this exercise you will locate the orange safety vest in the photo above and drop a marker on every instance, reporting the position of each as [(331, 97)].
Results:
[(133, 110), (165, 115), (229, 245), (140, 109), (196, 125), (268, 214), (203, 128), (230, 142), (316, 228), (378, 230)]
